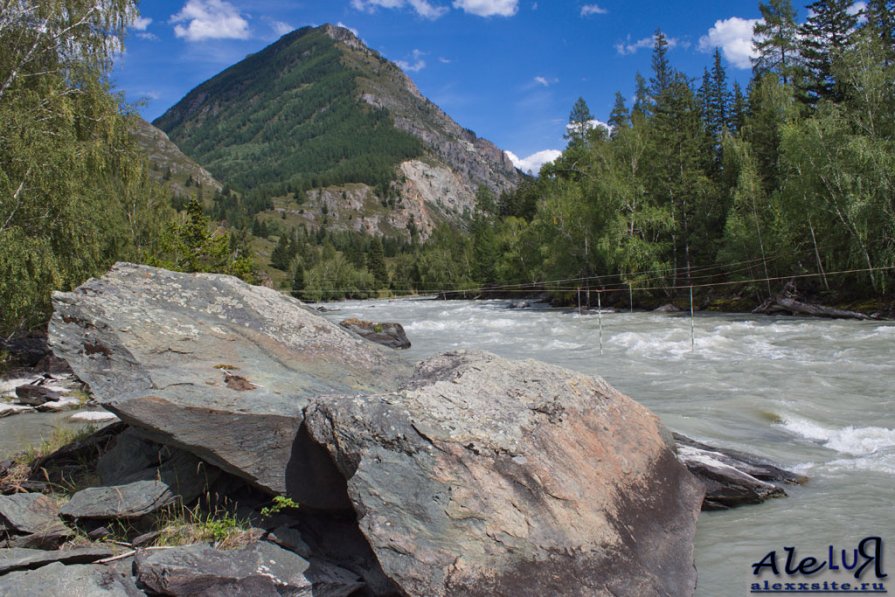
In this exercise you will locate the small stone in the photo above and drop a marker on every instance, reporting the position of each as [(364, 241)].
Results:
[(35, 395), (100, 533), (64, 403), (94, 417), (391, 335), (7, 410)]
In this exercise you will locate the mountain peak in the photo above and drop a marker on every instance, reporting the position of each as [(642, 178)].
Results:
[(344, 35), (319, 118)]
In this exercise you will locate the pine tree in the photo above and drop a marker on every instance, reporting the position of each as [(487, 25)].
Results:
[(824, 37), (775, 40), (298, 280), (663, 74), (715, 101), (579, 122), (280, 258), (619, 118), (642, 106), (880, 19), (376, 263), (738, 108)]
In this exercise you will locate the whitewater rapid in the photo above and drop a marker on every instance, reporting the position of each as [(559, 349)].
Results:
[(814, 395)]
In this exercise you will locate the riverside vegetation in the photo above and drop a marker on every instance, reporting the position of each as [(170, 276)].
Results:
[(696, 182)]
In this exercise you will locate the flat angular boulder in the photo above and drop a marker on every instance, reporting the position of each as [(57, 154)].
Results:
[(32, 520), (25, 559), (59, 579), (484, 476), (259, 570), (210, 364), (130, 501)]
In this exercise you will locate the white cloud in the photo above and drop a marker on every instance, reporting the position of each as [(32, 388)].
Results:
[(141, 23), (199, 20), (543, 81), (416, 65), (592, 9), (147, 36), (488, 8), (592, 124), (533, 163), (628, 47), (444, 60), (281, 28), (423, 8), (734, 37)]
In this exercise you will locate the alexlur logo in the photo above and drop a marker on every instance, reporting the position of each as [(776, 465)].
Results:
[(858, 562)]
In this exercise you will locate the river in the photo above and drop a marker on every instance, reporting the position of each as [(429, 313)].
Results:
[(813, 395)]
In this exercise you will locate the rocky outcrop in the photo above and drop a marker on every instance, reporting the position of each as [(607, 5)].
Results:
[(169, 164), (158, 348), (391, 334), (485, 476)]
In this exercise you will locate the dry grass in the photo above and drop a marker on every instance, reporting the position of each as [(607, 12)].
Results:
[(184, 526), (61, 437)]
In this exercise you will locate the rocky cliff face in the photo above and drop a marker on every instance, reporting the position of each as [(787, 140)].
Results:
[(477, 161), (170, 165)]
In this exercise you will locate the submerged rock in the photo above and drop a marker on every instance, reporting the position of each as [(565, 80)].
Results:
[(732, 478), (485, 476), (157, 349), (386, 334)]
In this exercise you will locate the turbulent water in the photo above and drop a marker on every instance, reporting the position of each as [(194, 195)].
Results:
[(813, 395)]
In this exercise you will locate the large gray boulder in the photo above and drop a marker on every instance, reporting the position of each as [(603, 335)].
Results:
[(210, 364), (489, 477)]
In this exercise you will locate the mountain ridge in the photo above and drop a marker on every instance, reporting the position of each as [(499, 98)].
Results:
[(318, 110)]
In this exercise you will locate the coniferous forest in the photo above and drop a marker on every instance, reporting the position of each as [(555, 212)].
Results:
[(702, 183)]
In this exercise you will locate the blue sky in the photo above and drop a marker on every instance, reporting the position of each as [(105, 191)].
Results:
[(508, 69)]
